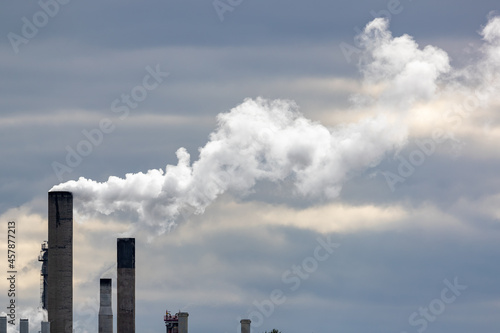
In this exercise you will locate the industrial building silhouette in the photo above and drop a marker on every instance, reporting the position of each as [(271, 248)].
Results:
[(56, 280)]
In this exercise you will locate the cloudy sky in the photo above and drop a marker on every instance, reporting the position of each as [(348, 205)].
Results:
[(337, 173)]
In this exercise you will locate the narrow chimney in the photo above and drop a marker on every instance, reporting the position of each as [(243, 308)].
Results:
[(245, 325), (126, 285), (105, 310), (183, 322), (24, 326), (45, 327), (3, 324), (60, 262)]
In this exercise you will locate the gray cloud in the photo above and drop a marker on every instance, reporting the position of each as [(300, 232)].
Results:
[(216, 265)]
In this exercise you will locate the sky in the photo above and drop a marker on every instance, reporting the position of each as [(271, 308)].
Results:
[(312, 166)]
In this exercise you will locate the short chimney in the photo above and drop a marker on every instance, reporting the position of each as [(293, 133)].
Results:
[(183, 322), (245, 325), (105, 310), (3, 324), (45, 327), (24, 326)]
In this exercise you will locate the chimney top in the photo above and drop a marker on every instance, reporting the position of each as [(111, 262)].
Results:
[(125, 252)]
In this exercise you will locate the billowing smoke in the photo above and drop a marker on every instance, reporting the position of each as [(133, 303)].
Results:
[(481, 79), (257, 141), (271, 141), (405, 73)]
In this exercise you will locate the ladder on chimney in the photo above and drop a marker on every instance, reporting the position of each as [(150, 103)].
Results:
[(43, 257)]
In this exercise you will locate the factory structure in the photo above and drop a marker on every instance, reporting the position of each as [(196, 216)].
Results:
[(56, 281)]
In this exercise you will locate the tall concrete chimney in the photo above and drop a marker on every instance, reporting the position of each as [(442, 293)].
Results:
[(45, 327), (125, 252), (183, 322), (3, 324), (24, 326), (245, 325), (60, 262), (105, 310)]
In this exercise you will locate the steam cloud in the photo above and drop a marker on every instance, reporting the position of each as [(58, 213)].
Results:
[(262, 140)]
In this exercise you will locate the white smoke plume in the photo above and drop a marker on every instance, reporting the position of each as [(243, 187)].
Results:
[(262, 140), (259, 140), (406, 73), (482, 79)]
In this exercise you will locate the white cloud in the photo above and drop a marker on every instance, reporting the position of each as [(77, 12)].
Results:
[(263, 140)]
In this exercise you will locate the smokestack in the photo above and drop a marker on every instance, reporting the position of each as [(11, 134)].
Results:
[(183, 322), (3, 324), (125, 252), (60, 262), (245, 325), (24, 326), (105, 310), (45, 327)]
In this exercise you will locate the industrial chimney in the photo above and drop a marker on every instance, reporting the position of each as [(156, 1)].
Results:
[(24, 326), (125, 251), (45, 327), (245, 325), (105, 310), (60, 262), (183, 322), (3, 324)]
